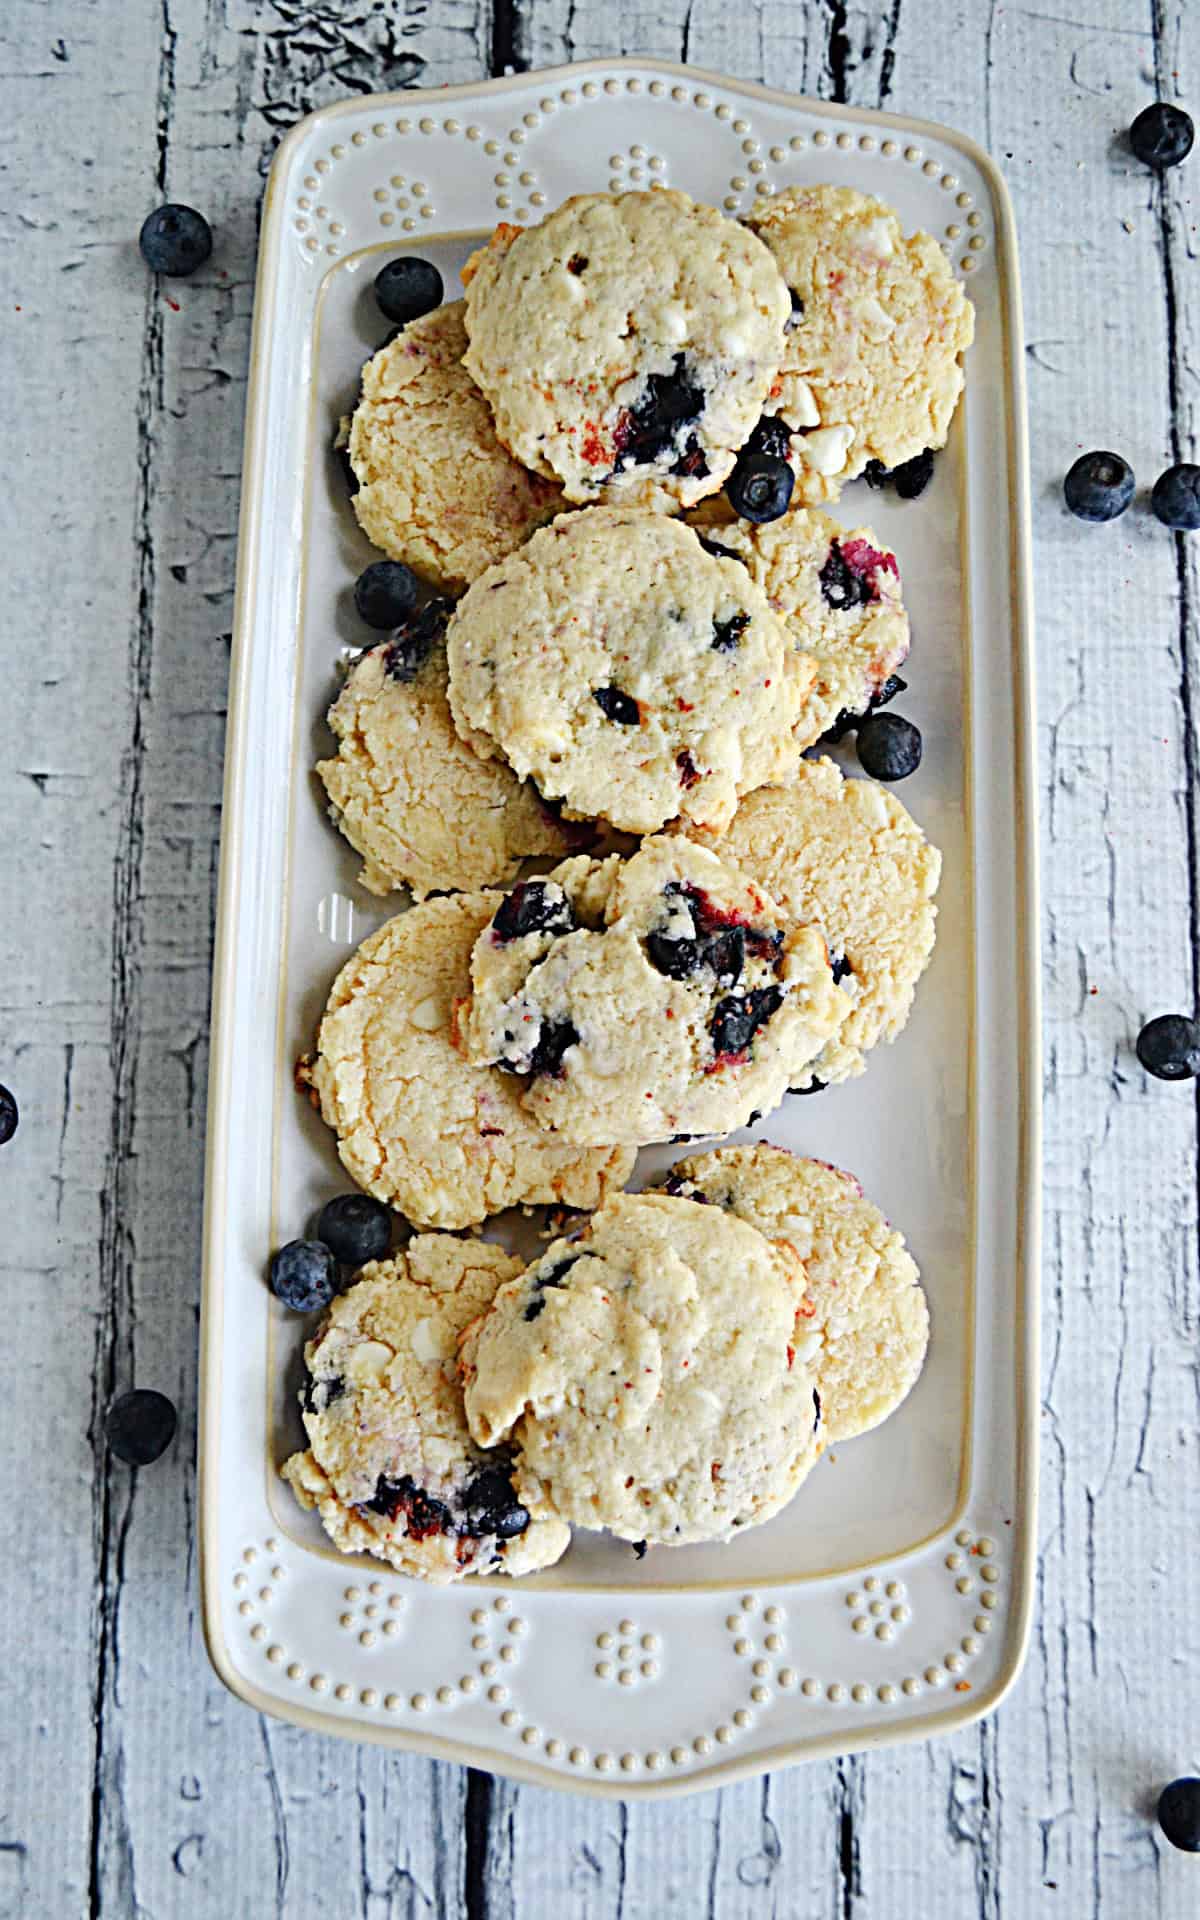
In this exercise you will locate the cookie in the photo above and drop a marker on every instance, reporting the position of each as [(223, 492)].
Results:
[(443, 1141), (435, 487), (872, 366), (867, 1320), (846, 855), (390, 1464), (676, 999), (410, 795), (630, 674), (626, 344), (838, 594), (647, 1374)]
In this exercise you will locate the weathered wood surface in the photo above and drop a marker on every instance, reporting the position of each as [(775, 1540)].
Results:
[(132, 1783)]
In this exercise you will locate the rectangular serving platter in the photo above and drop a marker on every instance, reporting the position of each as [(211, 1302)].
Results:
[(892, 1599)]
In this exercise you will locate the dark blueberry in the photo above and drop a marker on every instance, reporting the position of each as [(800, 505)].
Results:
[(423, 1513), (816, 1409), (140, 1426), (8, 1116), (1169, 1047), (692, 460), (175, 240), (490, 1506), (847, 722), (669, 401), (689, 772), (725, 953), (712, 546), (411, 645), (1176, 498), (1162, 135), (577, 263), (639, 1549), (814, 1086), (319, 1395), (760, 487), (889, 747), (385, 594), (407, 288), (1098, 486), (727, 634), (843, 586), (772, 436), (841, 969), (534, 906), (737, 1018), (876, 475), (1179, 1814), (797, 313), (911, 477), (618, 706), (355, 1228), (540, 1282), (677, 958), (547, 1056), (304, 1275)]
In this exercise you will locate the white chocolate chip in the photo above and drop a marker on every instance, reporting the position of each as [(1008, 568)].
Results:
[(368, 1362), (826, 449), (877, 239), (431, 1342), (799, 408), (427, 1015), (876, 322)]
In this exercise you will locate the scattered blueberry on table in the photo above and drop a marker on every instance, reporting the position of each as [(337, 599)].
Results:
[(1099, 486), (1169, 1047), (1162, 135), (1179, 1813), (303, 1275), (175, 240), (889, 747), (1175, 499), (9, 1116), (385, 594), (760, 487), (406, 288), (910, 478), (140, 1426), (355, 1228)]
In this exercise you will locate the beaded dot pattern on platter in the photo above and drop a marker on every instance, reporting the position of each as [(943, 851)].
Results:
[(403, 198)]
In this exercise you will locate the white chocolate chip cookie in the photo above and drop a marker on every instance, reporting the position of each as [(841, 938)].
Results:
[(838, 594), (872, 366), (866, 1326), (847, 856), (436, 489), (411, 796), (390, 1465), (627, 344), (629, 673), (647, 1374), (677, 999), (443, 1141)]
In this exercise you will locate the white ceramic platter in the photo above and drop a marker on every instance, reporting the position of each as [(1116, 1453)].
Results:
[(891, 1600)]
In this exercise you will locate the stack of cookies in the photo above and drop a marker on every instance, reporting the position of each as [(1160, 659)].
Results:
[(643, 911)]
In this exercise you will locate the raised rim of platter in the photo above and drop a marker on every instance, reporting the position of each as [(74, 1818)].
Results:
[(1020, 1550)]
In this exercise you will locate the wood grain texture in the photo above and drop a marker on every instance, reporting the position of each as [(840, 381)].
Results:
[(134, 1784)]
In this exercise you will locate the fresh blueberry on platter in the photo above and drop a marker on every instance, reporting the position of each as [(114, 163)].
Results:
[(140, 1426), (760, 487), (8, 1115), (385, 594), (355, 1228), (175, 240), (1098, 486), (407, 288), (1162, 135), (1175, 499), (1179, 1813), (889, 747), (303, 1275), (1169, 1047)]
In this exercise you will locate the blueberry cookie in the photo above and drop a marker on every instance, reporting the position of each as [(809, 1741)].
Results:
[(872, 368), (435, 487), (390, 1465), (866, 1319), (443, 1141), (688, 1003), (845, 855), (628, 672), (627, 344), (410, 795), (647, 1374), (838, 594)]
